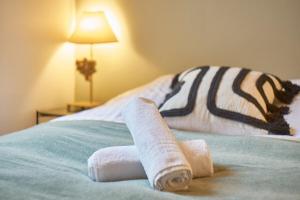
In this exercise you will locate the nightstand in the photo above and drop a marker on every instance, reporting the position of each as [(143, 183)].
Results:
[(51, 113), (82, 105), (69, 109)]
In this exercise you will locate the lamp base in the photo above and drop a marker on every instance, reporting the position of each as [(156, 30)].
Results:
[(87, 68), (82, 105)]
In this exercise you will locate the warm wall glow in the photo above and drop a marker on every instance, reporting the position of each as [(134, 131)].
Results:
[(113, 21), (61, 66), (129, 66), (159, 37), (36, 67)]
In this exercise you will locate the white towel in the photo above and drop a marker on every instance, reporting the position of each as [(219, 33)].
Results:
[(164, 163), (122, 162)]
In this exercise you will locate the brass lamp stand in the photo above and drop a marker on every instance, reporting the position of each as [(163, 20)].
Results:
[(87, 68)]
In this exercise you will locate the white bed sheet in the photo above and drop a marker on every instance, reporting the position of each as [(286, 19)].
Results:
[(156, 90), (111, 111)]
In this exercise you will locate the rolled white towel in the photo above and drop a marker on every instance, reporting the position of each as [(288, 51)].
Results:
[(164, 163), (122, 162)]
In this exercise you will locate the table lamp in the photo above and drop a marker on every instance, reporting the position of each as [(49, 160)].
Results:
[(91, 28)]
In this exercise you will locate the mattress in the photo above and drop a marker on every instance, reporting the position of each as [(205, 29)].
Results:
[(49, 162)]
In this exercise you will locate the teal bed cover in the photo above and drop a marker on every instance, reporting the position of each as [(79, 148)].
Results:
[(49, 161)]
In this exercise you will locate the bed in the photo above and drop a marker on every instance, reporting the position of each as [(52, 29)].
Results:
[(49, 161)]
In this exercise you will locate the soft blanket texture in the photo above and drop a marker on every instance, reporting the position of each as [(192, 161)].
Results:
[(49, 162), (163, 160), (122, 162)]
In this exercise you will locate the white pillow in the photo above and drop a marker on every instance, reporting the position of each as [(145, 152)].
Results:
[(227, 100)]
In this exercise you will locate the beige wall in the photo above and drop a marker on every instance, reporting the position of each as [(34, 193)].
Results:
[(155, 37), (164, 36), (36, 66)]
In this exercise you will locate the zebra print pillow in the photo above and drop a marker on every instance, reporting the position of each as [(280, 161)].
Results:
[(228, 100)]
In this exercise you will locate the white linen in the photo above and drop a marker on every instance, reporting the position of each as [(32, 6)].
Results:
[(111, 111), (156, 90), (165, 164), (122, 162), (115, 164)]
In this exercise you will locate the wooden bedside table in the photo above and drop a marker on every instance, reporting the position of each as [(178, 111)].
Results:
[(69, 109), (51, 113), (81, 105)]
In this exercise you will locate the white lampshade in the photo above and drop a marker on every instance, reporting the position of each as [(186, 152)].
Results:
[(91, 28)]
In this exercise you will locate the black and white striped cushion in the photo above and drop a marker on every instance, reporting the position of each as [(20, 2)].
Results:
[(228, 100)]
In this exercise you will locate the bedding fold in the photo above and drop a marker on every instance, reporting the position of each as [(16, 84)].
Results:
[(164, 163), (122, 162)]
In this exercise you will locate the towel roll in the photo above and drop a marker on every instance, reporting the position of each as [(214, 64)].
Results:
[(122, 162), (164, 163)]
